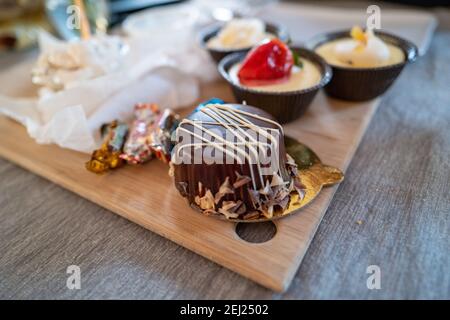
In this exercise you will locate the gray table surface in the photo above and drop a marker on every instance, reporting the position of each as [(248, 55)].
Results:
[(397, 186)]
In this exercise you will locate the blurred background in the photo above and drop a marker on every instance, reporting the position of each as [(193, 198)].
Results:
[(21, 19)]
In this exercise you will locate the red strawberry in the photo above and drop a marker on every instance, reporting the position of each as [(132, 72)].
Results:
[(271, 62)]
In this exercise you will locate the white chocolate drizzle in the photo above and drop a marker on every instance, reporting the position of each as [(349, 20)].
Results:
[(232, 119)]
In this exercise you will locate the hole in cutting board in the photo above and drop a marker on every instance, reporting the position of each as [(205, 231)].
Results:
[(256, 232)]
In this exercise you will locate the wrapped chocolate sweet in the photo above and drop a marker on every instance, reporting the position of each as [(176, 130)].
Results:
[(137, 148), (108, 155), (150, 134), (162, 143)]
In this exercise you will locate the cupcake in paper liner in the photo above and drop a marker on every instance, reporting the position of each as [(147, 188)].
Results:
[(281, 80), (365, 63)]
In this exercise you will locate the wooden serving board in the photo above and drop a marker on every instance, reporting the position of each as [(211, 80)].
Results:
[(146, 194)]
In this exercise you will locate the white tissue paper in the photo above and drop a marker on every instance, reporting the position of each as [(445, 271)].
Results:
[(104, 89)]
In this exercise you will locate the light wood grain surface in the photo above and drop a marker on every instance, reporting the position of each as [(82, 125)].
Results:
[(397, 187), (147, 196)]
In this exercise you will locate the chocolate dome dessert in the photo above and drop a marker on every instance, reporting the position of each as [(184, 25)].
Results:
[(230, 160)]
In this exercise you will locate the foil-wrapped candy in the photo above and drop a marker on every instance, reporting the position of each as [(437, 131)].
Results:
[(162, 144), (137, 147), (108, 156), (150, 134)]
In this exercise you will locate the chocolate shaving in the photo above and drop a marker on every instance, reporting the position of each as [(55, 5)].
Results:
[(227, 214), (291, 166), (218, 197), (251, 215), (227, 205), (270, 200), (277, 180), (284, 203), (183, 188), (241, 181), (281, 194), (267, 190), (224, 189), (206, 202), (268, 213), (290, 161), (255, 198), (232, 209), (240, 208)]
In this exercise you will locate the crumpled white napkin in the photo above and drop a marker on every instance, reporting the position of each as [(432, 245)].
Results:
[(70, 118)]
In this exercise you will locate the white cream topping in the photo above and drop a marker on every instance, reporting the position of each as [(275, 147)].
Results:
[(373, 52), (307, 76), (238, 34), (364, 52)]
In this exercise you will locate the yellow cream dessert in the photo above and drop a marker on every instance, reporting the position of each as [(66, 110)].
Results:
[(239, 34), (300, 78), (361, 50)]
